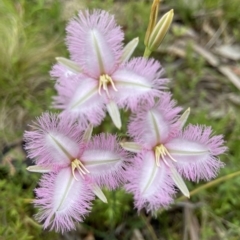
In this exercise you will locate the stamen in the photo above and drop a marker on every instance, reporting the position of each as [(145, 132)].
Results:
[(162, 152), (84, 168), (104, 80), (76, 164)]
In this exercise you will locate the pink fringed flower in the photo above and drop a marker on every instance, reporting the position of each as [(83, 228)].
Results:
[(74, 166), (166, 152), (98, 77)]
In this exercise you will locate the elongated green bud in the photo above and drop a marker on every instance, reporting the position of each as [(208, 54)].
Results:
[(160, 30)]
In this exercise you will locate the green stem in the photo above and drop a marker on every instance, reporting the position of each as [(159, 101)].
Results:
[(147, 52), (211, 184), (149, 227)]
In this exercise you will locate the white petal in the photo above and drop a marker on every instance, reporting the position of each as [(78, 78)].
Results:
[(99, 193), (131, 146), (70, 65), (179, 182), (88, 133), (39, 169), (184, 118), (114, 113), (129, 49)]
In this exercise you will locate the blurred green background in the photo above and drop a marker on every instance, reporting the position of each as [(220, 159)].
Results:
[(201, 57)]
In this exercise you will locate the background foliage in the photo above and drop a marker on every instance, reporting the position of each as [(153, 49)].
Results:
[(32, 34)]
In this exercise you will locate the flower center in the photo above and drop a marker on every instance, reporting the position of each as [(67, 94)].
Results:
[(104, 81), (76, 164), (160, 153)]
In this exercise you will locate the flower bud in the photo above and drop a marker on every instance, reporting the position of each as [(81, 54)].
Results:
[(159, 31)]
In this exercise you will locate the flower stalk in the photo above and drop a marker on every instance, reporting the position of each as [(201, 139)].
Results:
[(211, 184)]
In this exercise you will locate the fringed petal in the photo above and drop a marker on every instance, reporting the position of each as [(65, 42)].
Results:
[(95, 41), (62, 201), (196, 152), (140, 79), (80, 100), (154, 123), (105, 160), (54, 141), (151, 186)]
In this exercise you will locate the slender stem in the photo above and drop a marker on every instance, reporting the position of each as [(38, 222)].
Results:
[(31, 222), (211, 184), (147, 52), (149, 227)]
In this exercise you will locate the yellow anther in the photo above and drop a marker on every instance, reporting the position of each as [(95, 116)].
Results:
[(104, 80), (161, 152), (76, 164)]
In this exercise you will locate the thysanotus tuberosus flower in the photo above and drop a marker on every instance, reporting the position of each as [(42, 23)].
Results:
[(99, 77), (166, 152), (75, 166)]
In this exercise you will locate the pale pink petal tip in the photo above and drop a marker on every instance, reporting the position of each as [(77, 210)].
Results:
[(62, 201), (106, 160), (160, 191), (203, 165), (51, 131), (92, 36)]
